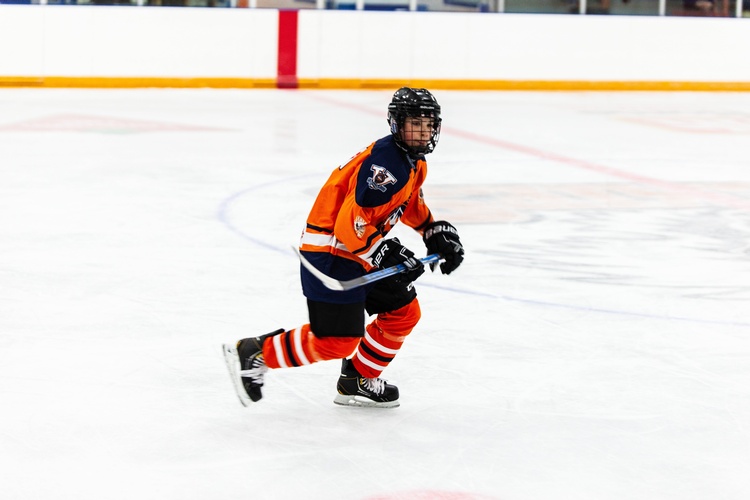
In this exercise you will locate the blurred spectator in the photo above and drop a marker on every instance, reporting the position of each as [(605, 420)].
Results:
[(698, 5), (592, 6)]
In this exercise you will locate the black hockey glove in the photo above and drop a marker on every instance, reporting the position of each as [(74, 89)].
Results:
[(442, 238), (392, 253)]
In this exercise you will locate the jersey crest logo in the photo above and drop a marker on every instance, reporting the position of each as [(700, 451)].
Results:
[(359, 226), (380, 178)]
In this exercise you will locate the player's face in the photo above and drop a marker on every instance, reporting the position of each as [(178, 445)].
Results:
[(417, 131)]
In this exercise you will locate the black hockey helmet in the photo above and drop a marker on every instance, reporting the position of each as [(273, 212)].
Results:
[(410, 102)]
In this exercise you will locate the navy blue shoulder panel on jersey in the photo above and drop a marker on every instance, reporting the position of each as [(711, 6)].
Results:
[(383, 173)]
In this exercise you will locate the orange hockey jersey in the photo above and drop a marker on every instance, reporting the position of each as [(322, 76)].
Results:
[(357, 207)]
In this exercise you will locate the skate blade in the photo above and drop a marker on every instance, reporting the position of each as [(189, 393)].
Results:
[(232, 360), (362, 402)]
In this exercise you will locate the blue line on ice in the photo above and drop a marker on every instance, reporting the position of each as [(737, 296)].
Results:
[(224, 217)]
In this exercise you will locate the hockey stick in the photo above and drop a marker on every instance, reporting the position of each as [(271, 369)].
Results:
[(334, 284)]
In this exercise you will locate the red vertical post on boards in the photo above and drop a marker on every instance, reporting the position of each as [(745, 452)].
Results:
[(286, 77)]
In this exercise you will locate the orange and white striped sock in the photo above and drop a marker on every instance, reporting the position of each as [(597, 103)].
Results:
[(383, 339), (376, 350), (301, 347), (291, 348)]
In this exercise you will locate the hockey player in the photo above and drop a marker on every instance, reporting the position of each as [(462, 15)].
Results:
[(346, 237)]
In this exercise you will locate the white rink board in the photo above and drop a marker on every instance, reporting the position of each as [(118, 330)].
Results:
[(467, 46), (110, 41), (99, 41)]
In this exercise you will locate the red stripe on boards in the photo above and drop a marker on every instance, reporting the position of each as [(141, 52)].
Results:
[(286, 77)]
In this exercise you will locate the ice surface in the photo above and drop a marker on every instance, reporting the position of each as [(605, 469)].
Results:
[(594, 345)]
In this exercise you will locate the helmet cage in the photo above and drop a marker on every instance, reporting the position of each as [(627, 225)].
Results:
[(413, 103)]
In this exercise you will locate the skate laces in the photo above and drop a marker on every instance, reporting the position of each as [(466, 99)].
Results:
[(376, 385), (256, 371)]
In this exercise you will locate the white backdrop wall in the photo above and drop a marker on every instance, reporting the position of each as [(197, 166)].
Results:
[(98, 41), (363, 48), (346, 44)]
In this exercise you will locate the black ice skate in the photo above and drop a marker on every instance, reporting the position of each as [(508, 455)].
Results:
[(356, 390), (247, 366)]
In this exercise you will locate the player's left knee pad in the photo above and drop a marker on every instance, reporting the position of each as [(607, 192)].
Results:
[(401, 321), (334, 347)]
